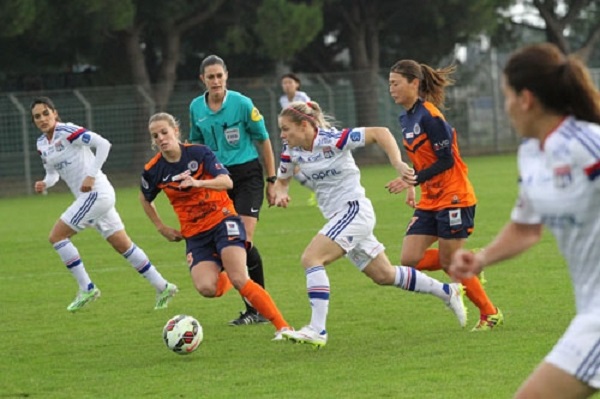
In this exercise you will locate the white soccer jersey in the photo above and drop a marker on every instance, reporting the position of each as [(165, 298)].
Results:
[(330, 167), (560, 187), (68, 156)]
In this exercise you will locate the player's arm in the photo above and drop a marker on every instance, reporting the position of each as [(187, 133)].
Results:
[(281, 186), (102, 149), (169, 233), (514, 239), (219, 183), (440, 136), (386, 141), (50, 179)]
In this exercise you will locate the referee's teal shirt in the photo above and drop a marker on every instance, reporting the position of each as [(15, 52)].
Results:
[(230, 131)]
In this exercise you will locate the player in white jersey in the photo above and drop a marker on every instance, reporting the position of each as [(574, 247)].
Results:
[(66, 152), (552, 102), (324, 155)]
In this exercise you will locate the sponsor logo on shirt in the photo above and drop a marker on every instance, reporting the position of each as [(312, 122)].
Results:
[(325, 174)]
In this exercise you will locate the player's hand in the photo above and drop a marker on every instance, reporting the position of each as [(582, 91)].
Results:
[(397, 185), (189, 181), (39, 187), (465, 264), (170, 233), (270, 192), (282, 200), (88, 184), (411, 197)]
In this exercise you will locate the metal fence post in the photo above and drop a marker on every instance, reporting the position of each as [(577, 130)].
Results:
[(88, 109), (26, 158), (330, 102)]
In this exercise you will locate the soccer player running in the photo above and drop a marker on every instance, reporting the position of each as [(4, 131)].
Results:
[(229, 124), (196, 184), (552, 103), (445, 211), (325, 154), (66, 152)]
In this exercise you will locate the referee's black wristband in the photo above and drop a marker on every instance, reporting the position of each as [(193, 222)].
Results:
[(271, 179)]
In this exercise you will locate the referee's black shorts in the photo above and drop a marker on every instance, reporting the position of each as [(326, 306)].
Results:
[(248, 192)]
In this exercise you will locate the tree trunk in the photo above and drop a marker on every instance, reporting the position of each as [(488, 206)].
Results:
[(168, 69)]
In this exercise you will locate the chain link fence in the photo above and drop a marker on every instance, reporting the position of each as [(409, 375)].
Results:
[(121, 113)]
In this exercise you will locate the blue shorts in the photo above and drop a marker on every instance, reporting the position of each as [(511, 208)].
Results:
[(447, 223), (207, 246)]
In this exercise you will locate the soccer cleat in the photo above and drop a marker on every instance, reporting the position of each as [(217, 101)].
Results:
[(163, 298), (279, 333), (307, 335), (82, 299), (312, 200), (490, 321), (481, 277), (457, 304), (248, 318)]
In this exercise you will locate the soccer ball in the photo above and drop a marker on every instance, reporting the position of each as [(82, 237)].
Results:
[(183, 334)]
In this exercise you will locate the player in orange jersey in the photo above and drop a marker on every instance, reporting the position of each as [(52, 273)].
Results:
[(196, 184), (446, 209)]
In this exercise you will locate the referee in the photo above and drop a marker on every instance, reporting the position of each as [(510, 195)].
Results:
[(229, 124)]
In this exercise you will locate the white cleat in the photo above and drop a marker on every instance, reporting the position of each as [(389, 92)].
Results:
[(307, 335), (456, 303)]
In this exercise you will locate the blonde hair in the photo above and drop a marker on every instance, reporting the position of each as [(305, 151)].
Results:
[(310, 111), (171, 121)]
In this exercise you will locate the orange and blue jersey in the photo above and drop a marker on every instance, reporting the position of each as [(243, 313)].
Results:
[(432, 147), (198, 209)]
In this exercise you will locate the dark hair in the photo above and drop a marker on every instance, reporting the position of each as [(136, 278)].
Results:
[(46, 101), (212, 60), (309, 111), (292, 76), (561, 83), (431, 81)]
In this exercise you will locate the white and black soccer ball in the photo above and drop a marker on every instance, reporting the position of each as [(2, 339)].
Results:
[(183, 334)]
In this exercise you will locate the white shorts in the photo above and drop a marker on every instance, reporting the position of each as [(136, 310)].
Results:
[(94, 209), (578, 350), (352, 229)]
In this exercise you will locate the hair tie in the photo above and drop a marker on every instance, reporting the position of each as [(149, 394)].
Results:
[(309, 105)]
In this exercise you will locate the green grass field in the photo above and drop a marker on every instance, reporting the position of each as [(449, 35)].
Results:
[(383, 342)]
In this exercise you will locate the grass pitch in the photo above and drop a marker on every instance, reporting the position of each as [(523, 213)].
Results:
[(383, 342)]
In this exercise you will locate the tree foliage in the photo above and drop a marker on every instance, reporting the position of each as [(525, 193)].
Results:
[(573, 25)]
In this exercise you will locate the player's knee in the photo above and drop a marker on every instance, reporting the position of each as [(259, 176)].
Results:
[(206, 290), (409, 260)]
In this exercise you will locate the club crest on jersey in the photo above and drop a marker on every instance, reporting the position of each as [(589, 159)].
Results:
[(417, 129), (327, 152), (562, 176), (193, 165), (59, 146)]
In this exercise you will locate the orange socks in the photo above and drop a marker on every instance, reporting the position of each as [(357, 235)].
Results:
[(477, 295), (262, 301), (473, 287), (223, 285), (430, 260)]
